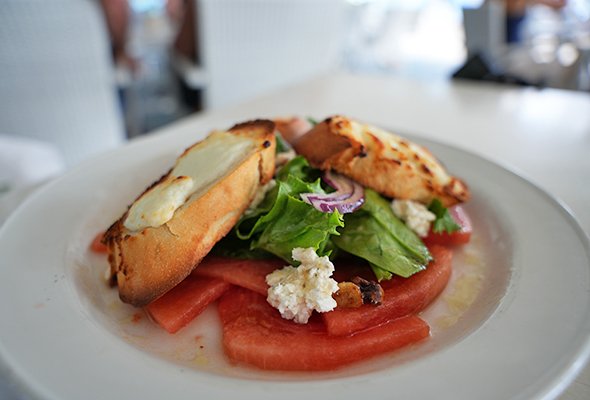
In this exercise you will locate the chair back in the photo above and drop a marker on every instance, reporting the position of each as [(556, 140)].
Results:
[(250, 47), (57, 77)]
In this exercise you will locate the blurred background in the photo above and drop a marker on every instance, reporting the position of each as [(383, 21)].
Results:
[(78, 77), (192, 55)]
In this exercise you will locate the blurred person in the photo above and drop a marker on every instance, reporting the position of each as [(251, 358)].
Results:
[(117, 15), (186, 45), (185, 42)]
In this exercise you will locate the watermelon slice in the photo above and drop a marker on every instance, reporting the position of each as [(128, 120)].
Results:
[(462, 236), (250, 274), (403, 296), (254, 333), (97, 245), (179, 306)]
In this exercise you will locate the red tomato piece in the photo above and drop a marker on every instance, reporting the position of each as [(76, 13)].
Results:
[(97, 245), (462, 236), (250, 274), (256, 334), (402, 296), (183, 303)]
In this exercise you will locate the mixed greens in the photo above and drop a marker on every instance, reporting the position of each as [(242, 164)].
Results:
[(283, 221), (375, 234)]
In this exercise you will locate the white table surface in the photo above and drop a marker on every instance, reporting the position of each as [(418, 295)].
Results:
[(542, 134)]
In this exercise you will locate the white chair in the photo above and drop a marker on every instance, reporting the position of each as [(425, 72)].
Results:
[(56, 76), (249, 47)]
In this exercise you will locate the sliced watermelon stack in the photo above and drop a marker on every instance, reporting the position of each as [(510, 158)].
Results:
[(254, 332)]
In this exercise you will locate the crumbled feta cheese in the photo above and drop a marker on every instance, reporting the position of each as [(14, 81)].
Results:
[(297, 291), (414, 214)]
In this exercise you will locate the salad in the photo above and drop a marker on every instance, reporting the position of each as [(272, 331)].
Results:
[(322, 270)]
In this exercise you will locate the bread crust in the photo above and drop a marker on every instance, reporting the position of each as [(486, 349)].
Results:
[(393, 166), (148, 263)]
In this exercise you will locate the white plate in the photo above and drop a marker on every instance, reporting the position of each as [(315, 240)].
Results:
[(64, 335)]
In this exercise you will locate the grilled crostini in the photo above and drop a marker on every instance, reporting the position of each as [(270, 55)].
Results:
[(380, 160), (169, 228)]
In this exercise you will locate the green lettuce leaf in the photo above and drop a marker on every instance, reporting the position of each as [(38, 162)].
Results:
[(283, 221), (233, 247), (298, 167), (380, 273), (282, 144), (444, 221), (380, 209), (377, 235)]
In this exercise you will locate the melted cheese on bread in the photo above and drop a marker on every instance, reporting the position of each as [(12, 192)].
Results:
[(194, 173)]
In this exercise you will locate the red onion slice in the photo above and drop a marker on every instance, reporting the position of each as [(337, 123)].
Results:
[(330, 197), (339, 182), (347, 198)]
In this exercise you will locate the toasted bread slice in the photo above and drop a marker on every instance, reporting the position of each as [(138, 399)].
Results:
[(387, 163), (168, 230)]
